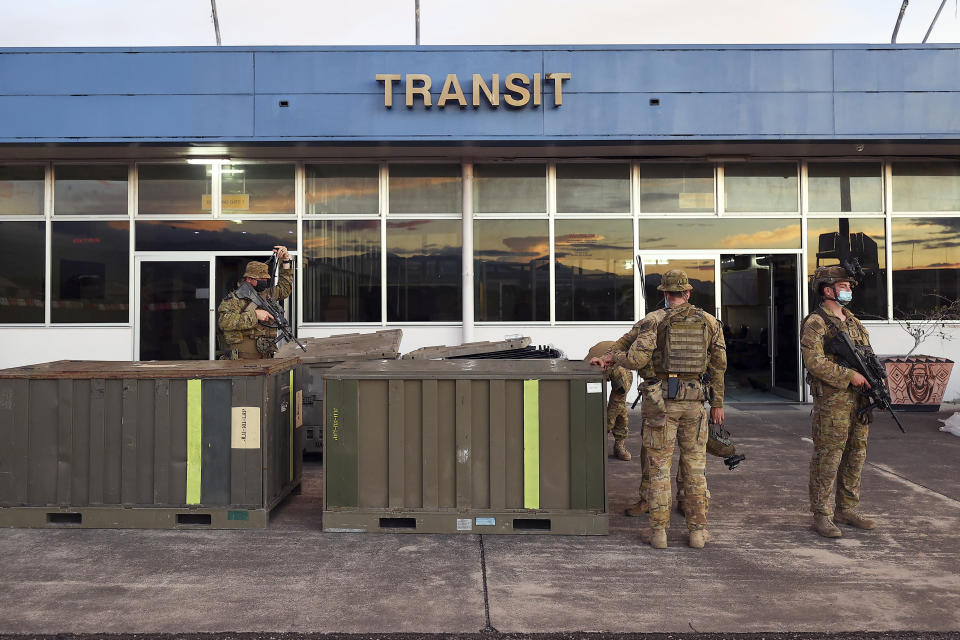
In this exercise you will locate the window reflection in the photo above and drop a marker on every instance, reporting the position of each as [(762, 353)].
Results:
[(594, 271), (926, 265), (347, 188), (826, 238), (425, 188), (593, 188), (258, 188), (700, 272), (926, 186), (22, 272), (91, 272), (182, 189), (760, 188), (510, 188), (90, 189), (21, 190), (676, 188), (845, 186), (424, 263), (215, 235), (715, 233), (341, 280), (512, 270)]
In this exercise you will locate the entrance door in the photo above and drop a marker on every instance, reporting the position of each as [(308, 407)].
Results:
[(175, 311), (760, 308)]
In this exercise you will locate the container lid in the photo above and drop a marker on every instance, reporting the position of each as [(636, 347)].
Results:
[(467, 349), (379, 345), (112, 370), (460, 369)]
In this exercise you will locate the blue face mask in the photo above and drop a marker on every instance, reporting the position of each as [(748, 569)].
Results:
[(844, 297)]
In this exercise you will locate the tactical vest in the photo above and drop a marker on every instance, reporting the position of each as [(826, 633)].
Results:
[(830, 332), (685, 340)]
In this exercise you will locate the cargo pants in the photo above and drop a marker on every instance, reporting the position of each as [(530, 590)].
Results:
[(839, 450), (666, 423), (617, 421)]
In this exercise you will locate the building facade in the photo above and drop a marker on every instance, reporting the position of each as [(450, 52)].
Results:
[(473, 193)]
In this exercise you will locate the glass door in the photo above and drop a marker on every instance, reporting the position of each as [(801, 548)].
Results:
[(174, 314)]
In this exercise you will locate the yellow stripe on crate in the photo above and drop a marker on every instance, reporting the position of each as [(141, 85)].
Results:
[(194, 440), (531, 444), (291, 410)]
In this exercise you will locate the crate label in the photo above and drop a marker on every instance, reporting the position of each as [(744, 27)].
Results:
[(245, 428), (486, 522), (594, 387), (464, 524), (299, 414), (238, 515)]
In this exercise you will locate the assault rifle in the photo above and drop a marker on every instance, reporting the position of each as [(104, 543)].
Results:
[(861, 359), (247, 292)]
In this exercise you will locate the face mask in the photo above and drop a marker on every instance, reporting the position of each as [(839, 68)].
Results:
[(844, 297), (262, 285)]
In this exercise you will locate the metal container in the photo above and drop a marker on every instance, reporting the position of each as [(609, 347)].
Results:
[(323, 353), (205, 444), (465, 446)]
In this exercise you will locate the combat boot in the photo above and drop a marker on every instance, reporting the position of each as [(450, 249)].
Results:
[(656, 538), (638, 508), (853, 518), (698, 538), (620, 450), (825, 527)]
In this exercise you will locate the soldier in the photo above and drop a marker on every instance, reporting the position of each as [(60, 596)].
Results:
[(680, 352), (839, 433), (247, 330), (620, 382)]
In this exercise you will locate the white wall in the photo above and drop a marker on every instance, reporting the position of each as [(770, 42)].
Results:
[(20, 346)]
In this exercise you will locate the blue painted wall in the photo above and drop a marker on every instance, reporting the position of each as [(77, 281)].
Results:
[(232, 94)]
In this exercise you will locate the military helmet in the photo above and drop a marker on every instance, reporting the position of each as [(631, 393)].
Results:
[(597, 350), (675, 280), (256, 270), (831, 275)]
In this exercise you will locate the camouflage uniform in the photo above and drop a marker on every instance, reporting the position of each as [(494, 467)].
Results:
[(620, 382), (237, 318), (681, 420), (839, 434)]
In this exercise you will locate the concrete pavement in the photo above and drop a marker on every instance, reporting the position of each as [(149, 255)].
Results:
[(765, 571)]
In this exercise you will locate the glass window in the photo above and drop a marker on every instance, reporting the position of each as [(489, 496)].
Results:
[(845, 186), (594, 272), (763, 188), (341, 271), (91, 271), (720, 233), (90, 189), (510, 188), (21, 271), (926, 265), (424, 266), (866, 237), (676, 188), (701, 273), (511, 270), (215, 235), (347, 188), (258, 188), (180, 189), (21, 190), (426, 188), (926, 186), (593, 188)]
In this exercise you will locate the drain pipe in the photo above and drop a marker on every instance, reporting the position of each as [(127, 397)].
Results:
[(467, 252)]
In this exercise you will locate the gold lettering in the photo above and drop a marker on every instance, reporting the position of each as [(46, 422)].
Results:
[(423, 90), (493, 94), (558, 79), (388, 79), (451, 91), (515, 92), (536, 89)]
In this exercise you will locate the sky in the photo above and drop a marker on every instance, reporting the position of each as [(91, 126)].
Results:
[(74, 23)]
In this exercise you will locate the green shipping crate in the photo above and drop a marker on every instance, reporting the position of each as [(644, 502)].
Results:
[(465, 446)]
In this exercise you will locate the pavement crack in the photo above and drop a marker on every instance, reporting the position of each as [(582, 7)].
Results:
[(487, 627)]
